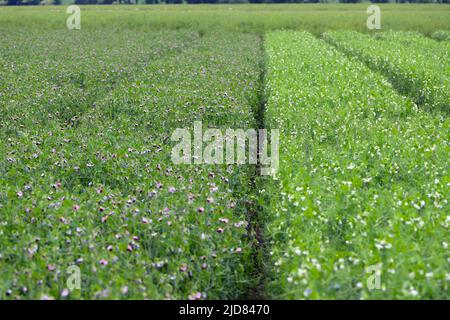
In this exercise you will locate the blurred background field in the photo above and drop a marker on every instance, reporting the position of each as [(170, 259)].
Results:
[(315, 18)]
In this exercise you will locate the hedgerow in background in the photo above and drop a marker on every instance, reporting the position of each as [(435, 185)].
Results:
[(87, 177), (415, 65), (363, 179)]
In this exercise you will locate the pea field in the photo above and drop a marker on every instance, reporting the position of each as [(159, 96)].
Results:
[(358, 208)]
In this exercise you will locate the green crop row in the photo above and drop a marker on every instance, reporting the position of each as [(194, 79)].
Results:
[(441, 35), (87, 178), (363, 180), (414, 41), (415, 65)]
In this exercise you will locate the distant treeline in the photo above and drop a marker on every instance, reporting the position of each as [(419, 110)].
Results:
[(57, 2)]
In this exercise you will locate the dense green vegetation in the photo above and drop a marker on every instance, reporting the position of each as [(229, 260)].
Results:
[(414, 64), (315, 18), (136, 2), (363, 179), (87, 179), (441, 35)]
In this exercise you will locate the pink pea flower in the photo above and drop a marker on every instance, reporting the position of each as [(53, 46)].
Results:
[(65, 292), (183, 268), (195, 296)]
